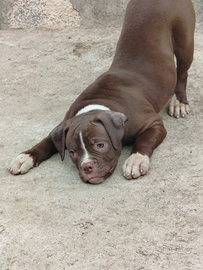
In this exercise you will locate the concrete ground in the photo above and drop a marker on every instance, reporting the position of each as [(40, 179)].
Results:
[(50, 219)]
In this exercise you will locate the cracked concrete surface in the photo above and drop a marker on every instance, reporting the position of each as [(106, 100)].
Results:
[(50, 219)]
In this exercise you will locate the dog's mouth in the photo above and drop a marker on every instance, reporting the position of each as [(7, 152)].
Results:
[(94, 180), (95, 177)]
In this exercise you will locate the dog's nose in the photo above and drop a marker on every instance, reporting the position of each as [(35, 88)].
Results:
[(88, 167)]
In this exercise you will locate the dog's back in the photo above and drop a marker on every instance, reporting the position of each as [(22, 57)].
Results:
[(153, 32)]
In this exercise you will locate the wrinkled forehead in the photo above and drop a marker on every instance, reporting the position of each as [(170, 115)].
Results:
[(87, 132), (94, 130)]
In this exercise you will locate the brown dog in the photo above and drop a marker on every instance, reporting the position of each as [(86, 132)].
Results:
[(122, 105)]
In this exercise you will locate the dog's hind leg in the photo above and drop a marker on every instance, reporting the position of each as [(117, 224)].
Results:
[(183, 43)]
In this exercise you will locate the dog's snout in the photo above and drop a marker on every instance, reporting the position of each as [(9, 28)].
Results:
[(88, 167)]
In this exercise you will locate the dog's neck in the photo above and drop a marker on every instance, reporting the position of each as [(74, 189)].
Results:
[(92, 107)]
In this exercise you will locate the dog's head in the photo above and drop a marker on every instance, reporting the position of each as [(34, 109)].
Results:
[(94, 142)]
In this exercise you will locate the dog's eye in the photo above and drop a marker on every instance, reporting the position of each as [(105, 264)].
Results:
[(100, 145), (71, 152)]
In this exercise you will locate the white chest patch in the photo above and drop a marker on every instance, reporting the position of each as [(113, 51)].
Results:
[(91, 108)]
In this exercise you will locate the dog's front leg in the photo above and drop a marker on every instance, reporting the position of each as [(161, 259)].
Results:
[(138, 163), (33, 157)]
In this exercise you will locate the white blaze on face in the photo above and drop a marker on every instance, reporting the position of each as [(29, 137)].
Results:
[(86, 154)]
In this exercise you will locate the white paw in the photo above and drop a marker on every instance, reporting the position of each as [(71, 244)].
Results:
[(21, 164), (135, 166), (178, 109)]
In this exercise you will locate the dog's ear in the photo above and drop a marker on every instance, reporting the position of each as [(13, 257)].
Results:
[(114, 123), (58, 136)]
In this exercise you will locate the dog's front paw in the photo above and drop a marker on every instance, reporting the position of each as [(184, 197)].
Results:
[(21, 164), (178, 109), (135, 166)]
